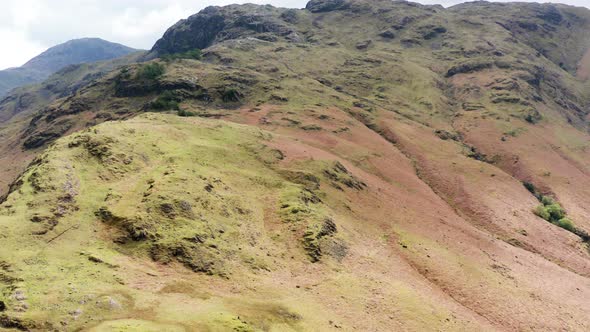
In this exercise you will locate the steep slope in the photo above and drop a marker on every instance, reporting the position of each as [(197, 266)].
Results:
[(69, 53), (357, 165)]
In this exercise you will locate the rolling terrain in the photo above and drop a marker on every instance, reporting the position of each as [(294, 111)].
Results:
[(352, 166)]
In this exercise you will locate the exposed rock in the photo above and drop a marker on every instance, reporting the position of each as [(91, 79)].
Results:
[(216, 24), (431, 31), (533, 116), (551, 14), (364, 45), (445, 135), (469, 67), (388, 34), (77, 313), (339, 174), (198, 31), (467, 106), (49, 135), (328, 228), (193, 255), (21, 324), (290, 16), (316, 241), (19, 295), (320, 6), (109, 303)]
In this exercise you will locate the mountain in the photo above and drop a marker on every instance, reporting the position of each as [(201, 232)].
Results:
[(358, 165), (72, 52)]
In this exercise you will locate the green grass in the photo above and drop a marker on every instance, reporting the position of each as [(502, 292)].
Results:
[(195, 54), (157, 188)]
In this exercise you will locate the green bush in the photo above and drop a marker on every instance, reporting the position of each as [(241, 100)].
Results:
[(185, 113), (567, 224), (546, 200), (556, 212), (166, 101), (542, 212), (151, 71), (532, 189), (231, 96), (195, 54), (552, 212)]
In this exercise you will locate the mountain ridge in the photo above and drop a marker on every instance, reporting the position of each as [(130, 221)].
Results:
[(72, 52)]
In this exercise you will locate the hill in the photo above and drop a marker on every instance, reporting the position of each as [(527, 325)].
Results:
[(355, 165), (69, 53)]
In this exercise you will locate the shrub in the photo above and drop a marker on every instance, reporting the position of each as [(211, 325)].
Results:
[(546, 200), (185, 113), (551, 211), (532, 189), (567, 224), (542, 212), (151, 71), (195, 54), (166, 101), (231, 96), (556, 212)]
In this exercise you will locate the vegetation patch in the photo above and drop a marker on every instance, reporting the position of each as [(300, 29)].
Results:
[(306, 214), (552, 211), (232, 96), (151, 71), (167, 101), (195, 54)]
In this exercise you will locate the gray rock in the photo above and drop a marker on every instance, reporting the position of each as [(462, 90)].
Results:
[(364, 45), (320, 6), (19, 295), (388, 34)]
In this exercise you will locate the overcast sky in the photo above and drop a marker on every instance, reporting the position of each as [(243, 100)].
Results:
[(28, 27)]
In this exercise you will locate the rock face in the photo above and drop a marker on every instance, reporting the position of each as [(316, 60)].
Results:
[(69, 53), (198, 31), (319, 6), (217, 24)]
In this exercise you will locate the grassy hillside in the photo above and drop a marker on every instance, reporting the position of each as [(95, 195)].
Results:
[(357, 165)]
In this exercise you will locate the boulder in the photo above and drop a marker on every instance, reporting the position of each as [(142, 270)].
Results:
[(388, 34)]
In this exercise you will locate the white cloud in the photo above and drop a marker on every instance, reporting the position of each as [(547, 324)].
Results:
[(27, 27), (135, 24), (21, 49)]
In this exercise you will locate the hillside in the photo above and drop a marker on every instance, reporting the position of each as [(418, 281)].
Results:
[(352, 166), (69, 53)]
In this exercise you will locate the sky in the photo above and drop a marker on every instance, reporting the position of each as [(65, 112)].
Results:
[(29, 27)]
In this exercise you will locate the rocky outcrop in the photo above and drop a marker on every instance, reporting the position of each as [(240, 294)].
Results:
[(198, 31), (319, 6), (217, 24)]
